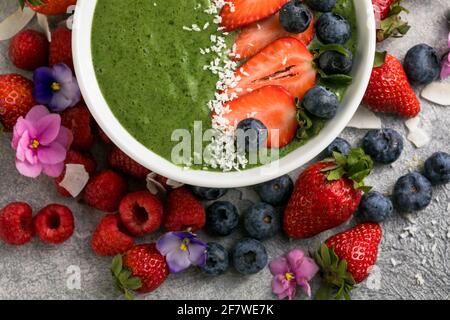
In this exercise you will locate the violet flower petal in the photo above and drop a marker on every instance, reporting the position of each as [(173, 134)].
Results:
[(283, 288), (43, 79), (53, 170), (62, 73), (306, 270), (305, 287), (169, 242), (59, 101), (48, 128), (36, 113), (27, 169), (197, 252), (52, 154), (65, 137), (445, 71), (295, 258), (178, 261), (279, 266)]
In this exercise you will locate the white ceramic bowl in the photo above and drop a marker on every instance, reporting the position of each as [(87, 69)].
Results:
[(99, 108)]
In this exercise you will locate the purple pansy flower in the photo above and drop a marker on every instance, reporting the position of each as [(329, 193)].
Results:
[(445, 72), (182, 249), (291, 270), (56, 87), (41, 143)]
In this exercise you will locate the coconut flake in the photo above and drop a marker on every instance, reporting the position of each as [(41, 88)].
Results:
[(417, 135), (174, 184), (15, 22), (437, 92), (75, 179), (154, 186), (43, 24), (364, 119), (419, 279)]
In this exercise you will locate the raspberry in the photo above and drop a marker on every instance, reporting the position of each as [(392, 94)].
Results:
[(103, 137), (74, 157), (16, 223), (110, 237), (105, 190), (54, 224), (78, 120), (118, 160), (28, 50), (141, 213), (184, 211), (61, 47)]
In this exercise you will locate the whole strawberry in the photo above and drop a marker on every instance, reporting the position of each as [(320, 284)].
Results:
[(110, 237), (184, 211), (78, 120), (389, 90), (28, 50), (50, 7), (75, 157), (54, 224), (16, 223), (387, 14), (118, 160), (105, 190), (347, 259), (326, 194), (61, 47), (142, 269), (16, 99)]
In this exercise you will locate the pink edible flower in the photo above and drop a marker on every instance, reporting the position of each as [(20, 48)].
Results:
[(41, 143), (291, 270), (445, 72)]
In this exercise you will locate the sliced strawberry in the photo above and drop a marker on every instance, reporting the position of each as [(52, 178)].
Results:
[(286, 62), (274, 106), (255, 37), (239, 13)]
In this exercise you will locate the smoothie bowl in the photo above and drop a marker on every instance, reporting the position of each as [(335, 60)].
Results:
[(222, 95)]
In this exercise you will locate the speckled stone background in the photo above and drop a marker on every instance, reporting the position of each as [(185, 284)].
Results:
[(414, 247)]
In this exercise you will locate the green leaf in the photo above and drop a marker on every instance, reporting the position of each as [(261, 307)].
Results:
[(342, 267), (380, 58), (116, 266), (324, 292), (123, 276), (336, 174), (334, 47), (340, 79), (339, 158), (134, 283), (325, 254), (128, 295)]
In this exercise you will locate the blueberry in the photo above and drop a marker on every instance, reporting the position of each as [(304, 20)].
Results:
[(249, 256), (295, 17), (422, 64), (276, 192), (383, 145), (222, 218), (251, 134), (338, 145), (208, 193), (437, 168), (333, 62), (375, 207), (321, 102), (412, 192), (333, 28), (321, 5), (217, 260), (262, 221)]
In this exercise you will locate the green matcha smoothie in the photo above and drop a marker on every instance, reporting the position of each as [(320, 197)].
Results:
[(148, 64)]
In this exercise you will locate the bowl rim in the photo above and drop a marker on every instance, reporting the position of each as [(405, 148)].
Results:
[(84, 68)]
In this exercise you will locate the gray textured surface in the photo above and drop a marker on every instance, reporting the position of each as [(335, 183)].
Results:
[(41, 271)]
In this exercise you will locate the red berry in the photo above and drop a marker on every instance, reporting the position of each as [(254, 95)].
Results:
[(184, 211), (54, 224), (52, 7), (105, 190), (61, 47), (29, 50), (16, 223), (145, 262), (74, 157), (103, 137), (118, 160), (78, 120), (141, 213), (16, 99), (110, 237)]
